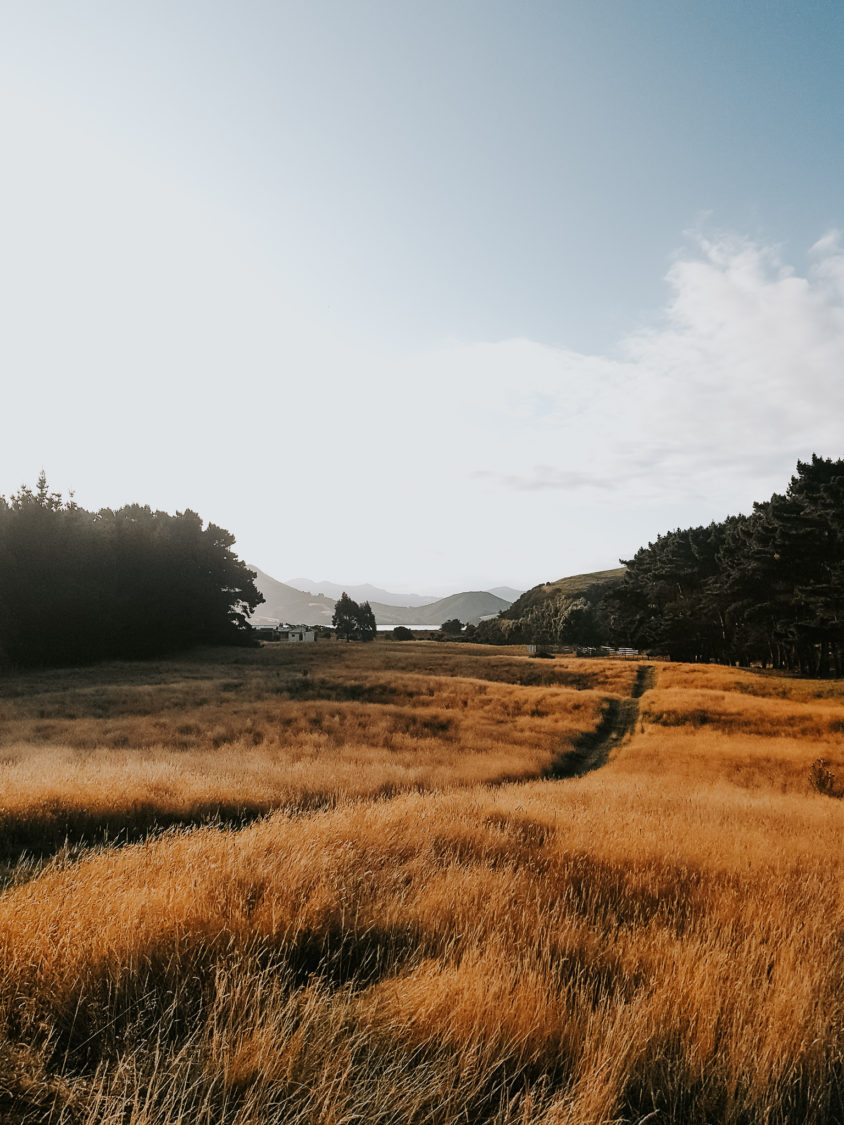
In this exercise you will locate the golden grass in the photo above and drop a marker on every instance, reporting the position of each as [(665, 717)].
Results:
[(128, 755), (705, 722), (768, 684), (658, 940)]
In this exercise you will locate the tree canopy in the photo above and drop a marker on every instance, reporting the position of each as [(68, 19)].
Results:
[(452, 627), (766, 588), (77, 586), (556, 617), (353, 622)]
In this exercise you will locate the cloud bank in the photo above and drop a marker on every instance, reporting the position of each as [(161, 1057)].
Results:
[(464, 465), (743, 374)]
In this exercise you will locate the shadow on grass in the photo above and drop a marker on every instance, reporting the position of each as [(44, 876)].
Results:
[(27, 845)]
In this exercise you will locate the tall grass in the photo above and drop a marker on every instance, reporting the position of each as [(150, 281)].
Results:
[(177, 746), (647, 942)]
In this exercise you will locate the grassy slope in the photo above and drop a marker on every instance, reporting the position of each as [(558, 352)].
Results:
[(659, 937), (469, 606), (575, 586)]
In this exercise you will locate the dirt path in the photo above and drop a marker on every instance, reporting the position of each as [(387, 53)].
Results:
[(617, 724)]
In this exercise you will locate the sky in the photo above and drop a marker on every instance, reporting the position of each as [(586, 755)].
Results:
[(438, 296)]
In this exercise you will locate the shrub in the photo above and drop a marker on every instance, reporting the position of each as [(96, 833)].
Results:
[(821, 778)]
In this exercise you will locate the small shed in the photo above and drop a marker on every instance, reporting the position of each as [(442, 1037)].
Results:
[(296, 634)]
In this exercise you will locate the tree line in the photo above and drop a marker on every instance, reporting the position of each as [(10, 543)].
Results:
[(764, 588), (77, 586)]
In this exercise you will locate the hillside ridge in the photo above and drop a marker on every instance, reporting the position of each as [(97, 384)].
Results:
[(286, 603), (574, 586)]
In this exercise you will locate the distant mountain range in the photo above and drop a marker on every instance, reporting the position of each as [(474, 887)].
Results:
[(369, 593), (469, 607), (284, 602), (364, 593)]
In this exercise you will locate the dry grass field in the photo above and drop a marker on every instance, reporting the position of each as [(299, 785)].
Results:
[(352, 884)]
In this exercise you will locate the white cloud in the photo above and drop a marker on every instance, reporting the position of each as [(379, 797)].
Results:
[(467, 464), (517, 459), (744, 374), (522, 453)]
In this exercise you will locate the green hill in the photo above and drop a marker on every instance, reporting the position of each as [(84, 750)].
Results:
[(590, 586), (570, 611), (470, 605)]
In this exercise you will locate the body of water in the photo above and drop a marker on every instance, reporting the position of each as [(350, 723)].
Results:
[(389, 628)]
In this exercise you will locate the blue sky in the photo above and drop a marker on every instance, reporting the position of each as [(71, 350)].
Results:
[(432, 295)]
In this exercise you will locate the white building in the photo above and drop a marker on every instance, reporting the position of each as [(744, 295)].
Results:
[(296, 634)]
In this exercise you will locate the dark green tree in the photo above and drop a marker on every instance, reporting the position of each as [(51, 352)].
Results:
[(666, 600), (81, 586), (367, 627), (764, 588), (787, 572), (345, 617), (453, 627), (353, 622)]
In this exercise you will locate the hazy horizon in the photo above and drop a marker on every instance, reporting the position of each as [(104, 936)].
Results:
[(309, 584), (435, 297)]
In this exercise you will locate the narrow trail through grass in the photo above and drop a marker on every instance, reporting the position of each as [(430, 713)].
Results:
[(659, 941), (617, 724), (421, 716), (104, 757)]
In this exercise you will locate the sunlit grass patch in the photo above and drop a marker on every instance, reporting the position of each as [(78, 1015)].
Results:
[(493, 931), (77, 763), (742, 714), (697, 756), (747, 681), (657, 939)]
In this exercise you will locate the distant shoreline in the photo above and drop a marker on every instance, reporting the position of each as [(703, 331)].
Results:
[(389, 628)]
